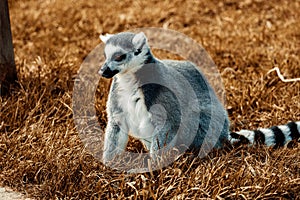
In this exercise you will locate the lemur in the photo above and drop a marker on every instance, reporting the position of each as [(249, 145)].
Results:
[(129, 61)]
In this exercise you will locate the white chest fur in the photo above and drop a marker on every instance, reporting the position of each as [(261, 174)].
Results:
[(131, 100)]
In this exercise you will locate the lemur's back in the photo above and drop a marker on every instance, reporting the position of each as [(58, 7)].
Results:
[(213, 121)]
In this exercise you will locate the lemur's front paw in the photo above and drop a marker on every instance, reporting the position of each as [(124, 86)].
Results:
[(107, 157)]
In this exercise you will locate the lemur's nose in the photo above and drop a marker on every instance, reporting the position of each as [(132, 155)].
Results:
[(102, 69), (106, 72)]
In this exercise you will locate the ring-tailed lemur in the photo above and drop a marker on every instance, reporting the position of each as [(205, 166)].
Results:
[(130, 103)]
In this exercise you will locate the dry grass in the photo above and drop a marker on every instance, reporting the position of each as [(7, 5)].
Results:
[(41, 153)]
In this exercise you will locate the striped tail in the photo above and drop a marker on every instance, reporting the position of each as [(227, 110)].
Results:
[(276, 136)]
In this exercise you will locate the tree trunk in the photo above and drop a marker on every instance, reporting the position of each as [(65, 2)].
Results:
[(8, 73)]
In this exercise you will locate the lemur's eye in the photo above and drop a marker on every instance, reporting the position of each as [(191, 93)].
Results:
[(120, 58)]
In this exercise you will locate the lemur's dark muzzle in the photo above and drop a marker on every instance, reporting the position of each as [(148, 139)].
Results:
[(106, 72)]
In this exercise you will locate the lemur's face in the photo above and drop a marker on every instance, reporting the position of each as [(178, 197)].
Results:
[(123, 52)]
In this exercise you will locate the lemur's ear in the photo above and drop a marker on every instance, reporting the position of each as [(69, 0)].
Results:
[(105, 37), (139, 40)]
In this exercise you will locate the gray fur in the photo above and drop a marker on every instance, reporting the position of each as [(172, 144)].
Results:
[(167, 112), (123, 40)]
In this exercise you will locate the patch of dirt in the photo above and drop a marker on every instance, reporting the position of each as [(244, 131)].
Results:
[(8, 194)]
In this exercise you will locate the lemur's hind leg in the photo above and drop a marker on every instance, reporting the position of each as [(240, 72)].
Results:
[(162, 141)]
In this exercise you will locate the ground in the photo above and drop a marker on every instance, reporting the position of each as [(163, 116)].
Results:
[(9, 194), (40, 151)]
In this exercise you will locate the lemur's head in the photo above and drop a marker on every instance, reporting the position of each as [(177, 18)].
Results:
[(124, 52)]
